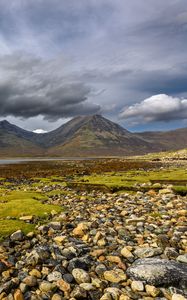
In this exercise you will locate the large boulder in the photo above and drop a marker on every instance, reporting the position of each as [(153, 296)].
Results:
[(157, 271)]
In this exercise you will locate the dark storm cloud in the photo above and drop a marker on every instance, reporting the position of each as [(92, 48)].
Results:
[(29, 87)]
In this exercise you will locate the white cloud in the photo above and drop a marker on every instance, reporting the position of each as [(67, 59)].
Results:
[(159, 107), (39, 131)]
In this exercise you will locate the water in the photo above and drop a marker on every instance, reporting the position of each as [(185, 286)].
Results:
[(21, 160)]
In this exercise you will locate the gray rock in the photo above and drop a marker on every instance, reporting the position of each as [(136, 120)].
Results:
[(55, 225), (30, 281), (182, 258), (54, 276), (81, 263), (37, 255), (147, 252), (81, 276), (158, 271), (17, 236), (79, 293), (3, 267), (46, 286)]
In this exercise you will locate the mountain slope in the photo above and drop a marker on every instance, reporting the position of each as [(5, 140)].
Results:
[(15, 141), (166, 140)]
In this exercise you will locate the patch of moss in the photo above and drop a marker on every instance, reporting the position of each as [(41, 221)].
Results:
[(127, 180), (19, 203), (7, 227), (181, 190)]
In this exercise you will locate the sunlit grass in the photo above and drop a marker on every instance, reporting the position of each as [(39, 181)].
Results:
[(15, 204), (9, 226)]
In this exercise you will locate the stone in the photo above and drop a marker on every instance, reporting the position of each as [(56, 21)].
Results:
[(59, 240), (46, 286), (3, 267), (23, 287), (182, 258), (63, 286), (36, 273), (56, 297), (55, 225), (87, 286), (126, 253), (79, 293), (81, 276), (151, 290), (54, 276), (17, 236), (79, 230), (115, 276), (137, 286), (26, 218), (106, 296), (30, 281), (37, 256), (165, 191), (114, 292), (155, 271), (170, 253), (18, 295), (80, 263), (157, 185), (182, 212), (147, 252)]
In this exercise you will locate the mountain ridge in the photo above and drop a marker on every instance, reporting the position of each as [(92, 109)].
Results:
[(92, 135)]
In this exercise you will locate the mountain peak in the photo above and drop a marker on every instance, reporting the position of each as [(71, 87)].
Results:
[(5, 124)]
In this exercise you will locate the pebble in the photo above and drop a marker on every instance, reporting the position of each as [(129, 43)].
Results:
[(46, 286), (81, 276), (54, 276), (18, 295), (182, 258), (30, 281), (126, 253), (63, 286), (151, 290), (115, 276), (137, 286)]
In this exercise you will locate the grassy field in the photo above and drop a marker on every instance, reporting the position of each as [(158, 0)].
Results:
[(129, 179)]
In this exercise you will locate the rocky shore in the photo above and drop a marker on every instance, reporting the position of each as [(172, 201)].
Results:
[(103, 246)]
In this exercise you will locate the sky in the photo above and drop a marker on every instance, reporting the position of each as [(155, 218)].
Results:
[(124, 59)]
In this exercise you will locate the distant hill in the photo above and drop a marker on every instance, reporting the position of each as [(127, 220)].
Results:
[(87, 136), (15, 141)]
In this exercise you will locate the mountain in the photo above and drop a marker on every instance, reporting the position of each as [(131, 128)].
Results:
[(93, 135), (15, 141), (166, 140), (87, 136)]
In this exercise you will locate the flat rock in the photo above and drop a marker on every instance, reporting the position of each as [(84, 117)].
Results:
[(157, 272)]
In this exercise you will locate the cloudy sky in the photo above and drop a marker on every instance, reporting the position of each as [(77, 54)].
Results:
[(125, 59)]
